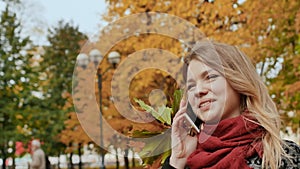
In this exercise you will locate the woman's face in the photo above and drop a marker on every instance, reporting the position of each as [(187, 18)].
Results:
[(210, 95)]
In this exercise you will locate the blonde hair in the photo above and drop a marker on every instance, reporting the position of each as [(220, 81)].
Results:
[(240, 73)]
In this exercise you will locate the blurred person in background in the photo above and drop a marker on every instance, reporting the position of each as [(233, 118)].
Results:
[(38, 156)]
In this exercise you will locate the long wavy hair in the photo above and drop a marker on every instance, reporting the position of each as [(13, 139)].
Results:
[(240, 73)]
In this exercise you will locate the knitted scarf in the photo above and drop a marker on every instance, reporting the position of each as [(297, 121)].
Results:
[(228, 144)]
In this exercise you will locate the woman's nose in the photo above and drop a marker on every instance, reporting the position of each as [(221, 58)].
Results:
[(201, 90)]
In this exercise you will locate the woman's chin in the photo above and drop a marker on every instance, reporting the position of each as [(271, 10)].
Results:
[(210, 120)]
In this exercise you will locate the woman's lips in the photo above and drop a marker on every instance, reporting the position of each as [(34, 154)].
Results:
[(205, 104)]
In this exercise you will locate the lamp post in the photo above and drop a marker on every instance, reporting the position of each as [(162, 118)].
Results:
[(95, 56)]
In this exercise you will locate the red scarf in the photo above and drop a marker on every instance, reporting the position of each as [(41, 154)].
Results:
[(232, 141)]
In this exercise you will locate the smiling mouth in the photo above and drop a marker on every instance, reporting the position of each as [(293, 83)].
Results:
[(204, 106)]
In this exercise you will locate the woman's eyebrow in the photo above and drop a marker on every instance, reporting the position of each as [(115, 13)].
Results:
[(206, 72)]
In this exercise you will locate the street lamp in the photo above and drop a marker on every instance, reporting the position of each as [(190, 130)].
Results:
[(95, 56)]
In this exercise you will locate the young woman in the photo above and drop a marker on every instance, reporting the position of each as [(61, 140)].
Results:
[(241, 124)]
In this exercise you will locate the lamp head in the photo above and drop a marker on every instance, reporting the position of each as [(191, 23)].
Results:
[(83, 60), (95, 56), (114, 58)]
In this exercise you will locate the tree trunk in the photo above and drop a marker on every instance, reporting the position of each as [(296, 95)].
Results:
[(71, 166), (4, 157), (13, 156), (126, 160), (14, 163), (133, 160), (117, 159), (4, 163), (79, 154), (58, 161)]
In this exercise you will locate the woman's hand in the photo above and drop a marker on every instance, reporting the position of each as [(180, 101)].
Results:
[(182, 144)]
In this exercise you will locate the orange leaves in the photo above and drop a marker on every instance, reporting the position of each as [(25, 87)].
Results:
[(297, 25), (292, 88), (73, 132)]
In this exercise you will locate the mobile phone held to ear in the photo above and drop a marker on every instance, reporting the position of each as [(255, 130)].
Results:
[(192, 118)]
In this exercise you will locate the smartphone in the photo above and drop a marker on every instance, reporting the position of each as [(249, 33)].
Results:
[(192, 118)]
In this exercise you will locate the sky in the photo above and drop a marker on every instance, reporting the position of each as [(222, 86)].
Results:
[(39, 15), (85, 13)]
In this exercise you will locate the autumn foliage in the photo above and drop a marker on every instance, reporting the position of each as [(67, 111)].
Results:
[(152, 37)]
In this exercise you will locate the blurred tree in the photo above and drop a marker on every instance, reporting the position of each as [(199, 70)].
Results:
[(17, 81), (57, 66)]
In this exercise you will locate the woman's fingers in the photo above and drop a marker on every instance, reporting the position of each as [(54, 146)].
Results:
[(182, 143), (182, 103), (182, 108), (180, 126)]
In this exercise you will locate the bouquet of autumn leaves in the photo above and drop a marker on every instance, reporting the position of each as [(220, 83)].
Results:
[(154, 152)]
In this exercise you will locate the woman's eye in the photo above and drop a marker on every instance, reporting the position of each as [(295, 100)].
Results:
[(212, 76), (190, 86)]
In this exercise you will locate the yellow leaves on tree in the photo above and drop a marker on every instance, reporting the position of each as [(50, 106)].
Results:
[(73, 132)]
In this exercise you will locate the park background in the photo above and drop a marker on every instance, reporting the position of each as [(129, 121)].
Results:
[(36, 78)]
